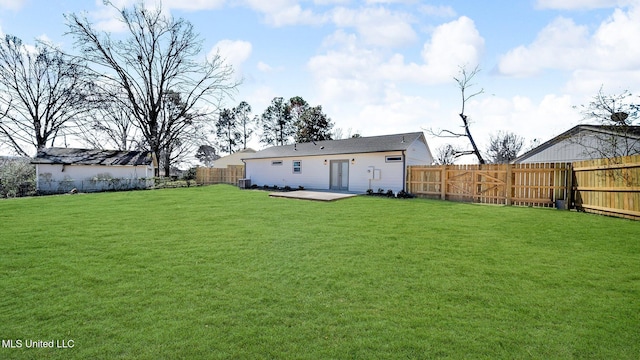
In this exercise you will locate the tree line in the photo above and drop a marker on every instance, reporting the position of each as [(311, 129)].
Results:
[(146, 90)]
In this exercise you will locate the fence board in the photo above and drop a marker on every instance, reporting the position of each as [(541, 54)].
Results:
[(608, 186), (229, 175), (509, 184)]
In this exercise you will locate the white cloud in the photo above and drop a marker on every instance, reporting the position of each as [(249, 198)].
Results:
[(588, 82), (361, 75), (377, 26), (560, 45), (404, 112), (582, 4), (284, 12), (107, 17), (521, 115), (331, 2), (193, 5), (441, 10), (234, 53), (266, 68), (567, 46), (12, 4), (454, 44)]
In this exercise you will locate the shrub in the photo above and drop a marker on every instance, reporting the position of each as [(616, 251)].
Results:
[(17, 178), (405, 195)]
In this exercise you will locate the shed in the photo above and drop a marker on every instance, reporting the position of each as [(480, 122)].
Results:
[(353, 165), (233, 159), (60, 170), (585, 142)]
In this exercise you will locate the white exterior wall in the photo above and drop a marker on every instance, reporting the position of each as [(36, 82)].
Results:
[(391, 173), (316, 175), (563, 151), (82, 177), (580, 147), (418, 153)]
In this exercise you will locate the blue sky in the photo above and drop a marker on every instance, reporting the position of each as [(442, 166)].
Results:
[(387, 66)]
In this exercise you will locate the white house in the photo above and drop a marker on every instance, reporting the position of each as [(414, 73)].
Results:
[(354, 165), (585, 142), (59, 170)]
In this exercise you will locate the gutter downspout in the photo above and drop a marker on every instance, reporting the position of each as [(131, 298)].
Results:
[(404, 171)]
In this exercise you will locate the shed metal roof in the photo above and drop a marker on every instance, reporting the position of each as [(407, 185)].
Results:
[(71, 156), (384, 143)]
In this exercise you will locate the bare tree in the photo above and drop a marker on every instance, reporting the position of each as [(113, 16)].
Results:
[(157, 56), (504, 147), (464, 83), (110, 126), (446, 154), (617, 135), (41, 92)]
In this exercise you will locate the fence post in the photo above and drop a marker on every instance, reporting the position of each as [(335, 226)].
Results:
[(443, 183), (509, 184), (570, 194)]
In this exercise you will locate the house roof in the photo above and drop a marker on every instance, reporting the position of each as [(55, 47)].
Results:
[(70, 156), (233, 159), (631, 131), (397, 142)]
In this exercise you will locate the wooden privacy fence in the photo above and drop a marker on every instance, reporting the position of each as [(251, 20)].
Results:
[(543, 185), (229, 175), (608, 186)]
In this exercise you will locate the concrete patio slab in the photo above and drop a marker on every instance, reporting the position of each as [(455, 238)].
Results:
[(312, 195)]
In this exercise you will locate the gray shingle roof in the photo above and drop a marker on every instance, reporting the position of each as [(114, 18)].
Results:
[(70, 156), (397, 142)]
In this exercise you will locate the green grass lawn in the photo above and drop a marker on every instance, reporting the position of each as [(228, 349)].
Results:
[(216, 272)]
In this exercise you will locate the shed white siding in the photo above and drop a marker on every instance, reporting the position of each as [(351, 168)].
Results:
[(58, 177), (418, 154), (582, 146), (563, 151)]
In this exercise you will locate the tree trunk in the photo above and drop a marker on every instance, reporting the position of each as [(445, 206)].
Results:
[(473, 143)]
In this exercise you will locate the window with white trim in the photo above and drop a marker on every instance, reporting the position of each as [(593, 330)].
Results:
[(297, 166), (276, 163), (393, 158)]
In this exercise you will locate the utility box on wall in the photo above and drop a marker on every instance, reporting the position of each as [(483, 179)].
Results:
[(373, 173)]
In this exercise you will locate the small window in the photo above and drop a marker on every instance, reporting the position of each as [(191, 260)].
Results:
[(394, 158), (297, 166), (276, 163)]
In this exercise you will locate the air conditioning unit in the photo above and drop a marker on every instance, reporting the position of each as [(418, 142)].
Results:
[(244, 183)]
